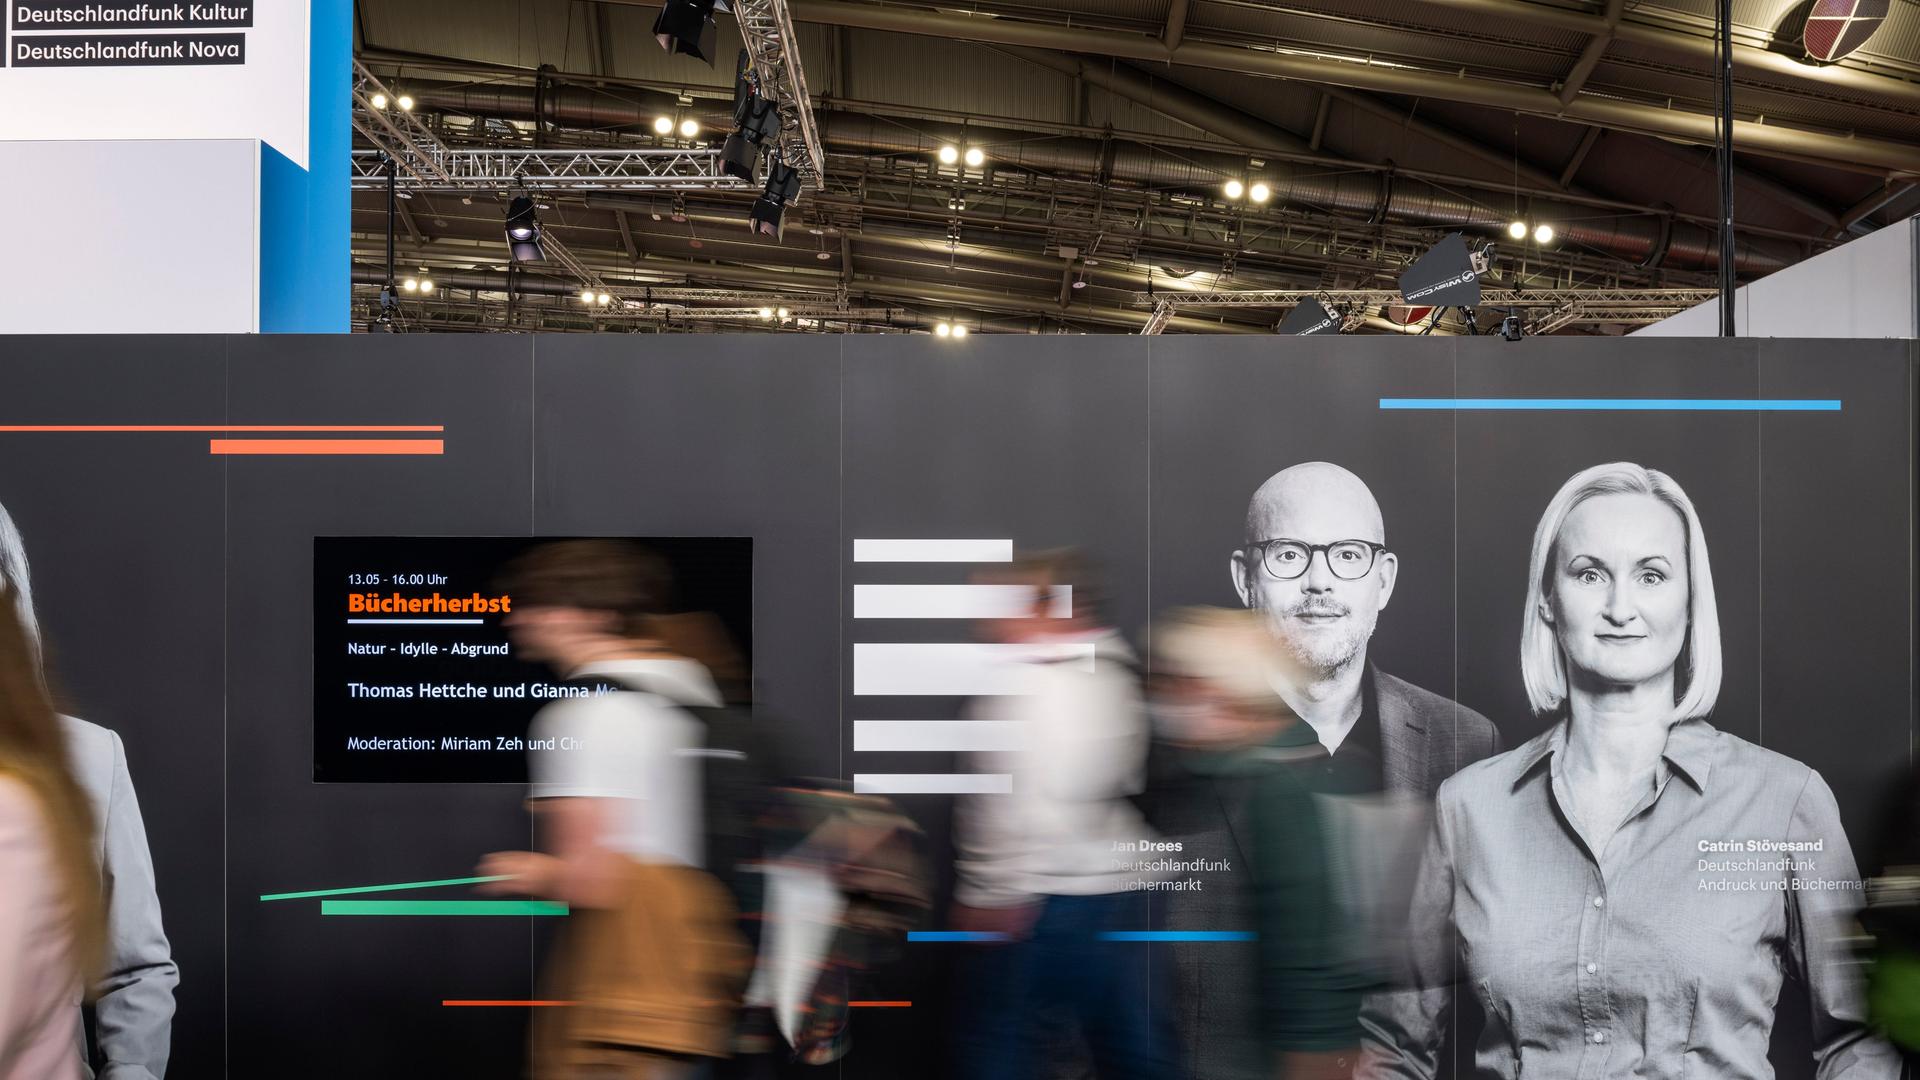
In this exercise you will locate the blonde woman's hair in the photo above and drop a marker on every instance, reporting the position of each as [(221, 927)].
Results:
[(1543, 667), (33, 751)]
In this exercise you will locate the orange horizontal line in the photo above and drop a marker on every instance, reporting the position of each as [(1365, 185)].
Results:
[(503, 1004), (326, 446), (880, 1004), (209, 428)]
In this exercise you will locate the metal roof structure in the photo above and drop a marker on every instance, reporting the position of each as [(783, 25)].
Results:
[(1109, 131)]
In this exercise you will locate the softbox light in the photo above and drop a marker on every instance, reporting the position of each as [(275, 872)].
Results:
[(686, 27), (1443, 277), (1310, 316), (523, 231)]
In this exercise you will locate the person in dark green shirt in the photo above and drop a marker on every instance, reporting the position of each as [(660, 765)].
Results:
[(1235, 760)]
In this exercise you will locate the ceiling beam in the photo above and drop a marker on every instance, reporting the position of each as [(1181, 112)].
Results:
[(1698, 47), (1766, 186), (1690, 125), (1590, 55), (1176, 25), (1850, 219), (1169, 99), (1579, 155)]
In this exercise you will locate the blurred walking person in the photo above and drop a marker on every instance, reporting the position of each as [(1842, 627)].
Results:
[(651, 958), (1036, 865), (51, 933)]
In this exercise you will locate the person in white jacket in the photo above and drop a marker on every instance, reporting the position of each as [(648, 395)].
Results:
[(1044, 871)]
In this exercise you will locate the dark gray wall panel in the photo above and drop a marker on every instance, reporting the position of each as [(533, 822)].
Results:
[(124, 535), (361, 996)]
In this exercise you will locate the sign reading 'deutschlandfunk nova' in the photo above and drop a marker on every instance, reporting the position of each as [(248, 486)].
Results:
[(106, 69)]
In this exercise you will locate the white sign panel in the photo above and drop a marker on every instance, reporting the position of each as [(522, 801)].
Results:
[(107, 69)]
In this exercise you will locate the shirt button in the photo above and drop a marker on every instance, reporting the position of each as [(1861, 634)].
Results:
[(1599, 1036), (1599, 901), (1591, 968)]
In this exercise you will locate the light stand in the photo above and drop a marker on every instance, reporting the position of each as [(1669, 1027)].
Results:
[(1723, 40)]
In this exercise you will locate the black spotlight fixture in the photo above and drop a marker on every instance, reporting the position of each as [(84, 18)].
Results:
[(686, 26), (783, 185), (756, 120), (523, 231)]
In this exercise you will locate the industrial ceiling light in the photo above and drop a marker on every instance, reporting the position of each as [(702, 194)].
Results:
[(523, 231), (378, 101), (1235, 189), (1517, 229), (586, 296), (426, 286), (405, 103), (766, 313), (603, 299), (689, 128), (663, 125), (1543, 234), (686, 27), (959, 330), (944, 330), (949, 154), (410, 285), (784, 313), (976, 157), (1259, 193), (783, 185)]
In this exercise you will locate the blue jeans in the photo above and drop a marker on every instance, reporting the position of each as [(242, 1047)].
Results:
[(1112, 991)]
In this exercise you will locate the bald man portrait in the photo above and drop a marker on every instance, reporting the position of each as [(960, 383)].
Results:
[(1316, 564)]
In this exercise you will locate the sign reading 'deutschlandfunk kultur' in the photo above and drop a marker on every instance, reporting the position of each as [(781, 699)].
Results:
[(101, 69)]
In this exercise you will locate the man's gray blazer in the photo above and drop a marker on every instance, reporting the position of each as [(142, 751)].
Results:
[(133, 1013)]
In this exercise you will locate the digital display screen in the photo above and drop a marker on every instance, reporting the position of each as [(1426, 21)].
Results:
[(415, 678)]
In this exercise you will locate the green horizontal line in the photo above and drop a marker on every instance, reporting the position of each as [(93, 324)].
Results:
[(382, 888), (441, 907)]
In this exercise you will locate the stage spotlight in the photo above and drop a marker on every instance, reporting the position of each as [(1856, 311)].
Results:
[(378, 101), (426, 286), (523, 231), (663, 125), (1517, 230), (783, 184), (1543, 234), (959, 331), (1511, 329), (1259, 193), (756, 120), (976, 157), (686, 26), (586, 296), (944, 329), (405, 103), (410, 285), (949, 155), (1235, 189), (689, 128)]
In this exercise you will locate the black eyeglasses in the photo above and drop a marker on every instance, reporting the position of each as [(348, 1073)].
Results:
[(1285, 559)]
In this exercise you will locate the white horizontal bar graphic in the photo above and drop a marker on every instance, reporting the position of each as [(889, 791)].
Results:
[(954, 602), (963, 669), (964, 735), (933, 783), (933, 551), (416, 622)]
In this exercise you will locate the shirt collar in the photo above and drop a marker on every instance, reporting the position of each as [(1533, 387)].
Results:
[(1689, 750)]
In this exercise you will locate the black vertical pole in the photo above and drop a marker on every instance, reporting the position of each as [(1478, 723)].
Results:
[(1728, 283), (389, 298)]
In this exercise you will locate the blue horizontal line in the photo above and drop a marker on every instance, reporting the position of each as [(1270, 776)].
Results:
[(1179, 935), (954, 935), (1619, 404)]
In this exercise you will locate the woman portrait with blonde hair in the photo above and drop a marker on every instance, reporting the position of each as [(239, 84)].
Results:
[(1625, 894)]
